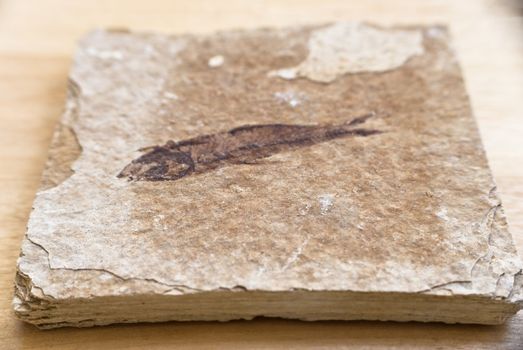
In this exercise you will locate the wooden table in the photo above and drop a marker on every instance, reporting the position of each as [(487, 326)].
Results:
[(37, 40)]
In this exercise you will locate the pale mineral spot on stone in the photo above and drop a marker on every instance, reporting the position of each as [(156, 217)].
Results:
[(216, 61), (287, 74), (289, 97), (326, 202), (442, 214), (352, 47), (149, 50), (170, 95)]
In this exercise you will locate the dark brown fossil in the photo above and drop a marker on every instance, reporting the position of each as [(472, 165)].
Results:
[(242, 145)]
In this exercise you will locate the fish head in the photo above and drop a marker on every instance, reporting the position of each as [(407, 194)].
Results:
[(159, 164)]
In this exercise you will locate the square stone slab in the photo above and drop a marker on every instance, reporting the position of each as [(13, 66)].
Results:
[(322, 172)]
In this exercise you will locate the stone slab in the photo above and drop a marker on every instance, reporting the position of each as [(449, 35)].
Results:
[(334, 171)]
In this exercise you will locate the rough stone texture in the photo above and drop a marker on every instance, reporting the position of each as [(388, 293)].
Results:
[(400, 221)]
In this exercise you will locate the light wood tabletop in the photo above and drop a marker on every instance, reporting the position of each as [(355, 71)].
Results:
[(37, 41)]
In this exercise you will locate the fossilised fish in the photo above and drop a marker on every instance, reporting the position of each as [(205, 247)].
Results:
[(242, 145)]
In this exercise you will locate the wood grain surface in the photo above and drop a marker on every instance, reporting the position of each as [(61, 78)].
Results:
[(37, 40)]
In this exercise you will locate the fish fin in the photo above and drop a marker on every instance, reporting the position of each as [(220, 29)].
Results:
[(361, 119)]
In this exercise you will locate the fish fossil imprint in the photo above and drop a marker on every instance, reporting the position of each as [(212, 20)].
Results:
[(242, 145)]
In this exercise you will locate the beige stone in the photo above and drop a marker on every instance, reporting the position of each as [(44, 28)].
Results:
[(325, 172)]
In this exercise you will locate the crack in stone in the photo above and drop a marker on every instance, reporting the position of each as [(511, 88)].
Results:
[(488, 222), (295, 254), (182, 288), (443, 285), (518, 279)]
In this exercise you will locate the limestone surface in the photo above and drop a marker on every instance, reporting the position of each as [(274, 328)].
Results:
[(322, 172)]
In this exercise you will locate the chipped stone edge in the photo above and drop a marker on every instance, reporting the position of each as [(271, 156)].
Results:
[(64, 125), (24, 285), (30, 298), (31, 305), (320, 71), (515, 294)]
